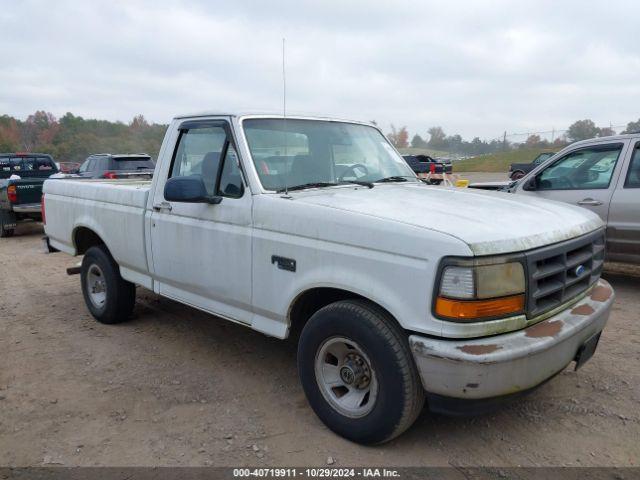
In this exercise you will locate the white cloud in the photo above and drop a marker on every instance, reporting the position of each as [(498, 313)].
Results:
[(475, 68)]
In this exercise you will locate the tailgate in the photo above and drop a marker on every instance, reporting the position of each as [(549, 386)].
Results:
[(28, 190)]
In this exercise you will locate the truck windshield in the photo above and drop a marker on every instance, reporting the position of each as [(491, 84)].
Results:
[(27, 166), (314, 152)]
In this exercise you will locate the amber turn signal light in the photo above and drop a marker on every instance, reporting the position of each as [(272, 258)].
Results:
[(472, 310)]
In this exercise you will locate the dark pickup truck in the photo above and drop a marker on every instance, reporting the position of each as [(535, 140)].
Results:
[(423, 165), (21, 179), (519, 170)]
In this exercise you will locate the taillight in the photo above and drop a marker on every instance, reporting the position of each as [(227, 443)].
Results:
[(12, 194), (110, 175), (44, 218)]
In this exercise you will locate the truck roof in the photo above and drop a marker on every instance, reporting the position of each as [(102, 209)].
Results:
[(25, 154), (268, 114)]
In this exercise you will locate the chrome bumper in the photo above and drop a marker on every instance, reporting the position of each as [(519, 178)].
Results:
[(513, 362), (26, 208)]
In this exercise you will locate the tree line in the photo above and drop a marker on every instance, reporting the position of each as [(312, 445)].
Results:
[(438, 140), (72, 138)]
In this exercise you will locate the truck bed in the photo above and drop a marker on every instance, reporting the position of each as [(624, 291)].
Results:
[(114, 209)]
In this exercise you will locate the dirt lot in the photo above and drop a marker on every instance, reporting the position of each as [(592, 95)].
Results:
[(177, 387)]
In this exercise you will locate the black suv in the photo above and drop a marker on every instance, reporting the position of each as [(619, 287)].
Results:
[(108, 165)]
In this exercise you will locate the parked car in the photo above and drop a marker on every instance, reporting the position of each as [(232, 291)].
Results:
[(475, 301), (21, 179), (68, 167), (602, 175), (426, 166), (519, 170), (108, 165)]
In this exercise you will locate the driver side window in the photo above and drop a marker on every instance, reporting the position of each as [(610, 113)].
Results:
[(589, 168), (208, 152)]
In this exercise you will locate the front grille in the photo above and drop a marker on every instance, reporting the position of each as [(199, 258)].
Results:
[(554, 273)]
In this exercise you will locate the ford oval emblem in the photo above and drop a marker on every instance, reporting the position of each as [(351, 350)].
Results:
[(579, 270)]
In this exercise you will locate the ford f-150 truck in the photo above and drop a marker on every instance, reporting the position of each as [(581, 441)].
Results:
[(21, 179), (315, 228)]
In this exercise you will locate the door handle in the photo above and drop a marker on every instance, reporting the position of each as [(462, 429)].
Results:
[(162, 206), (590, 202)]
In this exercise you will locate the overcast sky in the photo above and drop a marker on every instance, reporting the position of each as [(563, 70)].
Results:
[(475, 68)]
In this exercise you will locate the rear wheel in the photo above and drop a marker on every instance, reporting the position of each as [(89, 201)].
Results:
[(4, 221), (108, 296), (6, 232), (358, 373)]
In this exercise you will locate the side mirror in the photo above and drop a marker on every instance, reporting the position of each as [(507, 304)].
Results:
[(189, 189), (530, 185)]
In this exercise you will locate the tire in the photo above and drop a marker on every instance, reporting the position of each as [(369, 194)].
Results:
[(4, 219), (108, 296), (517, 175), (6, 233), (395, 396)]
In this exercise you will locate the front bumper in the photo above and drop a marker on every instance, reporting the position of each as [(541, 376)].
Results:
[(514, 362)]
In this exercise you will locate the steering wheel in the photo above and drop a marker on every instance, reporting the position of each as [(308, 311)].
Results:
[(352, 169)]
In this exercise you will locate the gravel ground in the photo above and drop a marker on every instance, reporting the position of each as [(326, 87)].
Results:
[(175, 386)]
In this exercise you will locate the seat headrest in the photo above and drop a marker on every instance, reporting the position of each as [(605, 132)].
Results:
[(210, 164)]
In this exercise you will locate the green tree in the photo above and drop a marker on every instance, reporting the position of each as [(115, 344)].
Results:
[(606, 132), (437, 138), (418, 142), (582, 130), (632, 127), (73, 138)]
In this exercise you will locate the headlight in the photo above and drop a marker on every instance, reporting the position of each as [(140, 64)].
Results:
[(483, 289)]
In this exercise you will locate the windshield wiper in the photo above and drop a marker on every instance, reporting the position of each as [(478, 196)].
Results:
[(304, 186), (362, 183), (308, 185), (394, 178)]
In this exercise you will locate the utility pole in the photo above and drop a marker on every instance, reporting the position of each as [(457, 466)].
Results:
[(504, 140)]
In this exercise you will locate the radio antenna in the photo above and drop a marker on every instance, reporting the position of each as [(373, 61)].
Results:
[(284, 119)]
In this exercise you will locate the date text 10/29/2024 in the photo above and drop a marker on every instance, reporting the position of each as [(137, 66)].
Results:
[(315, 473)]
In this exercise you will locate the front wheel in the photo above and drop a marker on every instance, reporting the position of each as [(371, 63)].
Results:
[(517, 175), (358, 373), (108, 296)]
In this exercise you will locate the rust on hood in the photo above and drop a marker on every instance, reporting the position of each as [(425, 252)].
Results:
[(479, 349), (583, 309), (545, 329), (601, 293)]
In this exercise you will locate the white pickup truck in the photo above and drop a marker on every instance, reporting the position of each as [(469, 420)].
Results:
[(317, 227)]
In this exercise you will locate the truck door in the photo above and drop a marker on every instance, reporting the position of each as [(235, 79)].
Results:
[(623, 230), (202, 252), (585, 177)]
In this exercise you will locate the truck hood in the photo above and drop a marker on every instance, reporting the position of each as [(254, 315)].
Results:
[(488, 222)]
